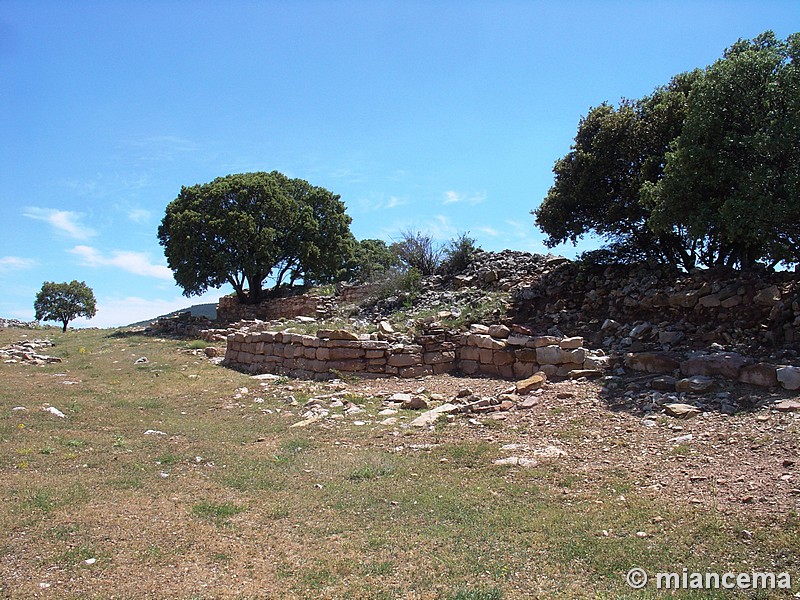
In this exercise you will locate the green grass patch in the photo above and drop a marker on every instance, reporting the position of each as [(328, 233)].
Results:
[(219, 513)]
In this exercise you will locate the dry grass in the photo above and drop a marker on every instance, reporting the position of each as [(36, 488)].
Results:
[(232, 502)]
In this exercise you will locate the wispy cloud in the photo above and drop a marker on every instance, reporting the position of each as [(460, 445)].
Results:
[(15, 263), (139, 215), (137, 263), (65, 221), (490, 231), (160, 148), (453, 197), (381, 203)]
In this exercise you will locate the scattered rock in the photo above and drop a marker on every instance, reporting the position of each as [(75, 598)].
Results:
[(414, 403), (787, 406), (141, 361), (54, 411), (697, 384), (534, 382), (681, 411)]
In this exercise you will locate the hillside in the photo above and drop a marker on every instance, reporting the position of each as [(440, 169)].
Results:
[(198, 310)]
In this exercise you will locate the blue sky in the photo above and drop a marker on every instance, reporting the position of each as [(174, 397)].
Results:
[(438, 116)]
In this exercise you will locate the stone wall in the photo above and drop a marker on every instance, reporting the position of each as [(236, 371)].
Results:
[(496, 351), (229, 310), (288, 307), (751, 310), (182, 324)]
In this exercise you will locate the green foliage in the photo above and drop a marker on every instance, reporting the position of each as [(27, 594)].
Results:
[(615, 152), (220, 513), (64, 302), (373, 260), (458, 254), (705, 170), (417, 250), (242, 229), (406, 284), (732, 179)]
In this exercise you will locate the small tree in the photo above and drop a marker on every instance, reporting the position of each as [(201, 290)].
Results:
[(417, 250), (373, 260), (64, 301), (458, 254)]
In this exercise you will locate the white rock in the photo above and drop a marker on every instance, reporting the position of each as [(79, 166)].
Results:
[(54, 411)]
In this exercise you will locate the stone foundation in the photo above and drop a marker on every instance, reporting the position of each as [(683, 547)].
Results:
[(495, 351)]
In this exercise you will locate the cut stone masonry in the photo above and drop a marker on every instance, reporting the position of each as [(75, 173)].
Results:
[(498, 351)]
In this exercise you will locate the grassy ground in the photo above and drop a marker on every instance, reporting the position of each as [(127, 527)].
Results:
[(222, 498)]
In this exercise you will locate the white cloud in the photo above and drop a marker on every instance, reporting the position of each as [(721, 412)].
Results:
[(370, 204), (453, 197), (64, 221), (394, 201), (15, 263), (132, 262), (490, 231), (138, 215)]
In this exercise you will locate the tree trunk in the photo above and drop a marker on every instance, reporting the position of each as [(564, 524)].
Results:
[(64, 329)]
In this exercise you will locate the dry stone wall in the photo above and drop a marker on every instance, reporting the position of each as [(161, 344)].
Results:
[(495, 351)]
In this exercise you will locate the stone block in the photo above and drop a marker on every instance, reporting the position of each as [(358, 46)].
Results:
[(310, 341), (372, 354), (789, 377), (343, 344), (516, 339), (505, 371), (415, 371), (545, 340), (575, 357), (499, 331), (486, 356), (760, 374), (597, 362), (571, 343), (549, 370), (440, 368), (348, 366), (548, 355), (323, 354), (720, 364), (685, 299), (503, 358), (404, 360), (652, 362), (482, 341), (346, 353), (469, 353), (432, 358), (523, 370), (468, 367), (526, 355)]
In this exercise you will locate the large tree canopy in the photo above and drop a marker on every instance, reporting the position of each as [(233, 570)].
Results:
[(242, 229), (598, 183), (64, 301), (704, 170), (735, 168)]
